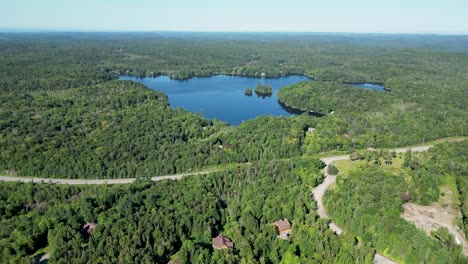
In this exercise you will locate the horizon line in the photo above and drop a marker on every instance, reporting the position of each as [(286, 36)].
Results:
[(64, 30)]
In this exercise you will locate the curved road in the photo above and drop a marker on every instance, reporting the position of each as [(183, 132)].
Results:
[(319, 191)]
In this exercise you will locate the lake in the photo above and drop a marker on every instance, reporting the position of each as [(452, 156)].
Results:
[(223, 97)]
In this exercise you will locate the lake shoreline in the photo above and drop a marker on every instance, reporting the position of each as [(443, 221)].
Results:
[(299, 110), (310, 78), (223, 96), (216, 74)]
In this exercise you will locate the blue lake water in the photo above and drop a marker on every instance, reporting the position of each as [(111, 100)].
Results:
[(223, 97)]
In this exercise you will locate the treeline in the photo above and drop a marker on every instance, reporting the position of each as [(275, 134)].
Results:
[(47, 64), (449, 159), (325, 97), (117, 129), (359, 118), (156, 222), (62, 116), (47, 128), (121, 129), (336, 58), (264, 138), (368, 203)]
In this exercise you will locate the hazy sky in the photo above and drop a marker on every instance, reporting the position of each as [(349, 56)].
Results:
[(385, 16)]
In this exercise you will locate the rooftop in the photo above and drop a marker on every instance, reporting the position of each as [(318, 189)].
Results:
[(221, 242), (282, 224)]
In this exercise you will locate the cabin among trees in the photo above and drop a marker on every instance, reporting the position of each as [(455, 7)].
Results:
[(222, 242), (88, 229), (283, 227)]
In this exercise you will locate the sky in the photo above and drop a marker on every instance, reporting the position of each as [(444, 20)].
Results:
[(358, 16)]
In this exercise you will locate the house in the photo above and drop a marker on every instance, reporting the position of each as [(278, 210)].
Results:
[(311, 130), (283, 227), (222, 242), (88, 229)]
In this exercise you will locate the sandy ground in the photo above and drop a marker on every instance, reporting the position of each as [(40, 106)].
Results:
[(432, 217)]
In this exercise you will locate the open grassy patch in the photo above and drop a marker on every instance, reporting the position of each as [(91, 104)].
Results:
[(345, 166)]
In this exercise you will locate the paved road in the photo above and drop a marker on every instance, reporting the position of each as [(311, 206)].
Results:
[(97, 181), (319, 191)]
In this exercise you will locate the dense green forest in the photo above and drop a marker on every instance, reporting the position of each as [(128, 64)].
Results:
[(108, 130), (63, 114), (121, 129), (359, 118), (447, 159), (59, 105), (368, 202), (154, 222)]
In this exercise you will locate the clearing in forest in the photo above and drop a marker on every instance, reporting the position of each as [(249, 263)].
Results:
[(432, 217)]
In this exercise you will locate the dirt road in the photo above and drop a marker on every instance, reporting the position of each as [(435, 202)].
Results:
[(317, 192), (320, 190)]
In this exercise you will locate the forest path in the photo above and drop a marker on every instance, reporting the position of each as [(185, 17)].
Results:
[(319, 191)]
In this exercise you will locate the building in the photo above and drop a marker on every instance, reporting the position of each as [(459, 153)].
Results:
[(283, 227), (88, 229), (222, 242)]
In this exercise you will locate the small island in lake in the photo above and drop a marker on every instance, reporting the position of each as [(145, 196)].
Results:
[(248, 92), (263, 90)]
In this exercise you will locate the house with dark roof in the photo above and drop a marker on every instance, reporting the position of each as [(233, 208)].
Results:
[(222, 242)]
